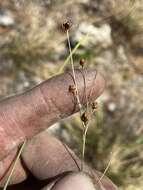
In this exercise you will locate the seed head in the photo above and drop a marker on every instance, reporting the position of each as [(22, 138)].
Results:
[(94, 106), (82, 62), (85, 117), (72, 89), (67, 25)]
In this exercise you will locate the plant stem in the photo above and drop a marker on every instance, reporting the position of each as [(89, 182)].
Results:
[(14, 165), (83, 39), (78, 101), (85, 129), (107, 167), (73, 71)]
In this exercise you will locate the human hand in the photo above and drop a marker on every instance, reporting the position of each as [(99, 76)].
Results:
[(45, 160)]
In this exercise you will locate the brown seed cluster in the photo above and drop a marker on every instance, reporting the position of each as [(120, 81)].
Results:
[(94, 106), (82, 62), (72, 89), (85, 117), (67, 25)]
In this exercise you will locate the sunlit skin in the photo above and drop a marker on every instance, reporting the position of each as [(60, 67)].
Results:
[(45, 160)]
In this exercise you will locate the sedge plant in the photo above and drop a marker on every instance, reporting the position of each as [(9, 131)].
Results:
[(85, 113)]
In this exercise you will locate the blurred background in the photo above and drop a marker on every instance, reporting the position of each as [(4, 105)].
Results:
[(33, 48)]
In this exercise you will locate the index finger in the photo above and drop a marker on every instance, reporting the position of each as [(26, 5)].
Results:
[(27, 114)]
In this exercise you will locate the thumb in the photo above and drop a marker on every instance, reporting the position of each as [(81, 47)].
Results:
[(76, 181), (27, 114)]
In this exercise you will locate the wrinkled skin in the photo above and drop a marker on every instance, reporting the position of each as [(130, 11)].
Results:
[(46, 162)]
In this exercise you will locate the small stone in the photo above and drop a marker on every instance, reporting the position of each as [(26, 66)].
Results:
[(6, 19), (112, 106), (97, 36)]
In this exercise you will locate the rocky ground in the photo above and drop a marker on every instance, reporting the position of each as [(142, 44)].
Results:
[(33, 47)]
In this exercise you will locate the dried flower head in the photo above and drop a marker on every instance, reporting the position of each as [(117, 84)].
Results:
[(72, 89), (85, 117), (82, 62), (94, 106), (67, 25)]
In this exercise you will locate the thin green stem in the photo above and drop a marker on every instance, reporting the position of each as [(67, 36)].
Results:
[(78, 101), (14, 165), (73, 71), (83, 39), (106, 169), (85, 129)]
